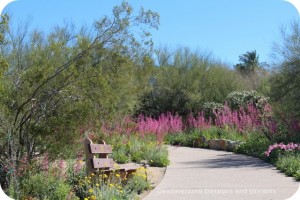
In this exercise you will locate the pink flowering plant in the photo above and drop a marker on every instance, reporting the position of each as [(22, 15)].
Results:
[(284, 147), (273, 152)]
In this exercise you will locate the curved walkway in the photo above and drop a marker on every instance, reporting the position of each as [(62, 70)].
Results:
[(213, 175)]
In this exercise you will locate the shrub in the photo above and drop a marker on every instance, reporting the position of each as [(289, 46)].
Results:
[(113, 186), (235, 100), (210, 108), (135, 149), (289, 163), (157, 156), (45, 186), (255, 145), (138, 181), (120, 155), (184, 139)]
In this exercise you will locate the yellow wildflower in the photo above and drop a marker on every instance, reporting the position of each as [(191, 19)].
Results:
[(93, 197), (91, 190), (117, 175), (111, 185)]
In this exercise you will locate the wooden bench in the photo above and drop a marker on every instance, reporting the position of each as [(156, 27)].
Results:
[(102, 163)]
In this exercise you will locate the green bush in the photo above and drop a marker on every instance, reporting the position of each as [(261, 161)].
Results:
[(135, 149), (184, 139), (113, 186), (45, 186), (137, 184), (157, 156), (120, 155), (209, 109), (297, 175), (256, 144), (289, 163), (237, 99)]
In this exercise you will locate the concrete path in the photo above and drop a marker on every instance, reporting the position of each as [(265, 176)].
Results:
[(204, 174)]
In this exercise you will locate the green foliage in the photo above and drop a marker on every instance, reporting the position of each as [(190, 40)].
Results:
[(137, 183), (249, 63), (44, 186), (120, 155), (289, 163), (192, 138), (237, 99), (3, 30), (114, 186), (185, 80), (135, 148), (209, 109), (252, 72), (223, 133), (59, 82), (256, 144), (199, 138), (74, 173), (158, 156), (285, 81)]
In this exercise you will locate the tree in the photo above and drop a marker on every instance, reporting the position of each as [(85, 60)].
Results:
[(3, 29), (56, 83), (249, 63), (285, 81), (185, 81), (253, 72)]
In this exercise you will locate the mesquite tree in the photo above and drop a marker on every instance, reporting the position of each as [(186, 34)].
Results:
[(57, 82)]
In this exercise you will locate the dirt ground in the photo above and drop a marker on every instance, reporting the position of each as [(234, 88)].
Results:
[(155, 175)]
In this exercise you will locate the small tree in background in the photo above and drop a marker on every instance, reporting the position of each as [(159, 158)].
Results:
[(252, 71), (285, 81)]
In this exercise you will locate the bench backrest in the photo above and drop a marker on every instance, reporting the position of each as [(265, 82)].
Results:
[(97, 156)]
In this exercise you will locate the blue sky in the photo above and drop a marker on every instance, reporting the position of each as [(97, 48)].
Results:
[(227, 28)]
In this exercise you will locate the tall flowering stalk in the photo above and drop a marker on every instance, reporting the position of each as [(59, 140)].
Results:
[(166, 123), (199, 121), (242, 119)]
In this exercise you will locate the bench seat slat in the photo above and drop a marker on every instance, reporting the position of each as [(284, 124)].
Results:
[(99, 163), (101, 148)]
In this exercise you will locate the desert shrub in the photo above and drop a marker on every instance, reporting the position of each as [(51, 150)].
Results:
[(235, 100), (113, 186), (45, 186), (135, 147), (210, 109), (158, 156), (138, 181)]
